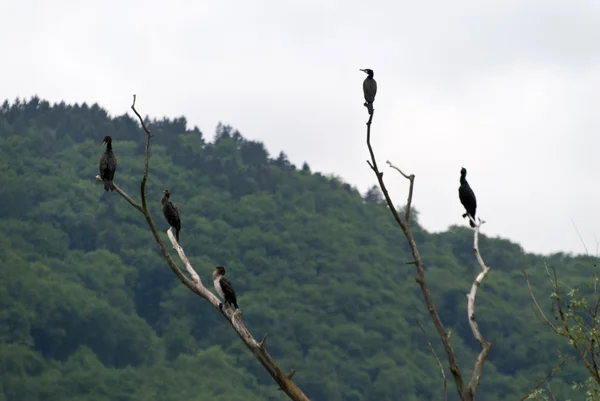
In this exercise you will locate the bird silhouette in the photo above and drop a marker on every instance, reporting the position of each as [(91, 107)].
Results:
[(171, 212), (369, 89), (108, 165), (467, 196)]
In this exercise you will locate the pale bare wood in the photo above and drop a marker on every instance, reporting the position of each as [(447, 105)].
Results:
[(486, 347), (420, 268), (284, 380), (466, 393)]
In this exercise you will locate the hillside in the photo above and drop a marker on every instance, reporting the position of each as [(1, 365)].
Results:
[(92, 312)]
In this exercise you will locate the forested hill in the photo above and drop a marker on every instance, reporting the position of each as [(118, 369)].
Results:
[(90, 310)]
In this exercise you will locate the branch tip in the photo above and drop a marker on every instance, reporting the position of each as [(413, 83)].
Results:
[(263, 342), (437, 360), (291, 374)]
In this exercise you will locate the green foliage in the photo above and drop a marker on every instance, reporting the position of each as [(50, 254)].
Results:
[(90, 311)]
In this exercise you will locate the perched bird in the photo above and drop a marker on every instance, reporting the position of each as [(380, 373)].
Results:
[(369, 89), (224, 287), (108, 165), (171, 212), (467, 197)]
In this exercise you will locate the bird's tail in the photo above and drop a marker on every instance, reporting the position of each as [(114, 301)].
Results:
[(111, 185), (369, 107), (471, 221), (107, 185), (177, 235)]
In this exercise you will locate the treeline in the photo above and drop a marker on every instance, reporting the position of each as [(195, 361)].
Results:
[(90, 311)]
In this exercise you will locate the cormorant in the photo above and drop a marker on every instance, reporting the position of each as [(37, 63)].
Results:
[(171, 212), (369, 89), (467, 197), (224, 287), (108, 165)]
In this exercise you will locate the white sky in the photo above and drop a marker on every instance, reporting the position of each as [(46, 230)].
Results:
[(508, 89)]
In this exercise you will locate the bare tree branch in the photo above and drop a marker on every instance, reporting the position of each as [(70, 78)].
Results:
[(417, 261), (541, 313), (486, 347), (124, 195), (566, 330), (550, 391), (437, 360), (411, 178), (235, 319), (195, 284), (544, 379), (568, 333)]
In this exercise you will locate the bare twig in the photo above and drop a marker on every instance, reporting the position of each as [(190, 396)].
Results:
[(124, 195), (550, 391), (486, 347), (411, 178), (541, 313), (437, 321), (580, 237), (566, 330), (398, 170), (568, 333), (263, 342), (544, 379), (437, 360), (234, 318)]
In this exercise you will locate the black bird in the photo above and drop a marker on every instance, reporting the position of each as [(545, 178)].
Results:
[(171, 212), (467, 197), (369, 89), (224, 287), (108, 165)]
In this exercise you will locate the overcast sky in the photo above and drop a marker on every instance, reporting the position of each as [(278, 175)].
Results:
[(507, 89)]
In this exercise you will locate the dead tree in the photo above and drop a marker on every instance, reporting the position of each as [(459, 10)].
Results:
[(283, 379), (465, 391)]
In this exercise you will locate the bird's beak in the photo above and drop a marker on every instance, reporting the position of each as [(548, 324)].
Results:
[(103, 143), (361, 70)]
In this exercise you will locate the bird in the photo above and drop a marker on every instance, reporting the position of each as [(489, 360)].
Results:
[(369, 89), (224, 287), (467, 196), (171, 212), (108, 165)]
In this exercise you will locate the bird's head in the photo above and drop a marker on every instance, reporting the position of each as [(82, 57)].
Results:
[(219, 271), (463, 171), (368, 71), (167, 193), (107, 139)]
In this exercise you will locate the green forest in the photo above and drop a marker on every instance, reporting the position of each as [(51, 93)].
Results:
[(91, 311)]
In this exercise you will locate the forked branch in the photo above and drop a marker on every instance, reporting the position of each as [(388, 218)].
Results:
[(417, 261), (545, 379), (465, 393), (283, 379), (411, 178), (437, 360)]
